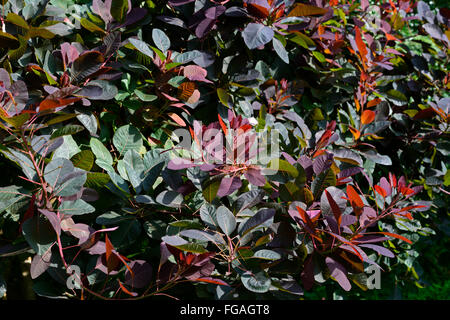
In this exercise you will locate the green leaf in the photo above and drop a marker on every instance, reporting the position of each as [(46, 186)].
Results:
[(96, 180), (100, 151), (89, 121), (226, 220), (208, 214), (10, 195), (110, 218), (17, 121), (8, 41), (280, 50), (176, 81), (188, 56), (170, 199), (90, 26), (66, 130), (267, 254), (186, 224), (23, 162), (161, 40), (127, 138), (258, 282), (126, 234), (119, 9), (280, 170), (39, 234), (290, 192), (118, 182), (77, 207), (396, 97), (322, 181), (141, 46), (303, 40), (83, 160), (68, 149), (377, 158), (17, 20), (210, 190), (155, 229), (224, 97), (319, 56), (63, 177), (192, 247), (145, 97)]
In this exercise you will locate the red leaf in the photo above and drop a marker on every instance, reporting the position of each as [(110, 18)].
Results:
[(47, 104), (394, 235), (373, 102), (133, 294), (381, 191), (392, 180), (367, 116), (355, 132), (257, 10), (177, 119), (222, 124), (309, 225), (412, 207), (302, 10), (355, 200), (334, 3), (425, 114), (335, 208), (361, 47), (212, 280), (111, 258)]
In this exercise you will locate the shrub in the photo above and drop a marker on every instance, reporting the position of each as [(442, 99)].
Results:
[(246, 149)]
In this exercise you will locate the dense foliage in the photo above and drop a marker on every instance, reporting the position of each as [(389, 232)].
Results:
[(252, 149)]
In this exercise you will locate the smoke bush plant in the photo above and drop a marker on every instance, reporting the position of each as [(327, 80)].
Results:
[(98, 98)]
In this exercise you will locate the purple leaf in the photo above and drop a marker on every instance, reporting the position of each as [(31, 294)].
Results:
[(259, 218), (173, 21), (349, 172), (255, 177), (307, 164), (256, 35), (339, 273), (179, 164), (205, 26), (236, 12), (366, 216), (322, 163), (4, 77), (205, 60), (348, 219), (98, 248), (288, 158), (371, 238), (53, 218), (379, 249), (386, 186), (307, 274), (195, 73), (214, 12), (134, 16), (228, 185), (176, 3), (40, 264), (142, 272)]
